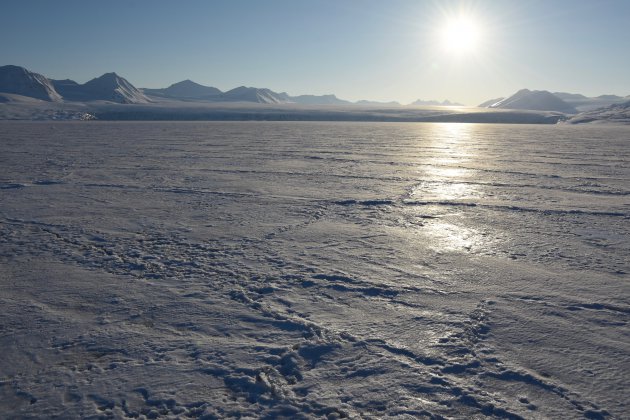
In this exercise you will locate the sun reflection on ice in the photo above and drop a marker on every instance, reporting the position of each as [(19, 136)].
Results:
[(447, 178), (448, 188), (446, 172), (447, 236)]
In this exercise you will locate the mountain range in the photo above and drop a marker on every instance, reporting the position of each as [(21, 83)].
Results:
[(188, 90), (112, 88), (617, 113), (583, 103)]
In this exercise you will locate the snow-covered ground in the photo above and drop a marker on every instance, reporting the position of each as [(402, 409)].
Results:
[(360, 270)]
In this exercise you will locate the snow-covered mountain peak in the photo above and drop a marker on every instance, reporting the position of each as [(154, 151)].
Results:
[(536, 100), (18, 80), (112, 87)]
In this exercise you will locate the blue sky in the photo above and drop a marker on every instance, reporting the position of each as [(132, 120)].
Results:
[(356, 49)]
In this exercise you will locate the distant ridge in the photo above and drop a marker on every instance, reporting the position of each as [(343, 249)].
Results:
[(616, 113), (570, 96), (584, 103), (377, 103), (609, 97), (252, 94), (189, 90), (319, 100), (446, 102), (186, 89), (20, 81)]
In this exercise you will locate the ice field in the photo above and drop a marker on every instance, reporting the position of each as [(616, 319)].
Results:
[(314, 270)]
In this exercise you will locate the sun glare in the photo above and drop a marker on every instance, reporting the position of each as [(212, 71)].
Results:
[(461, 36)]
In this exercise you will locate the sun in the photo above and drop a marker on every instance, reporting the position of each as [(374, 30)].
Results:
[(461, 36)]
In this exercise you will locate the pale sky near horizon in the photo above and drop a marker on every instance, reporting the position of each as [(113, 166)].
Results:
[(357, 49)]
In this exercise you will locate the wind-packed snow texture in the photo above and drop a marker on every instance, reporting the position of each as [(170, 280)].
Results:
[(361, 270)]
